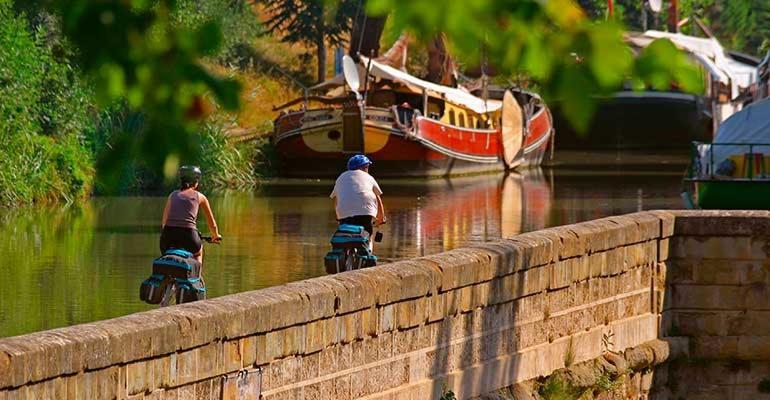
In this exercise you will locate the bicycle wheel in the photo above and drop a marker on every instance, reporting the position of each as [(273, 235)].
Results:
[(350, 255), (169, 294)]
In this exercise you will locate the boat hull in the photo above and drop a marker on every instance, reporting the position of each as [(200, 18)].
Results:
[(733, 194), (643, 120), (311, 145)]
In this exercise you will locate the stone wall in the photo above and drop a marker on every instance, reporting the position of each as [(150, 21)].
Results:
[(717, 295), (468, 321)]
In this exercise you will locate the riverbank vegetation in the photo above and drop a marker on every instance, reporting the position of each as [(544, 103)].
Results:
[(89, 102)]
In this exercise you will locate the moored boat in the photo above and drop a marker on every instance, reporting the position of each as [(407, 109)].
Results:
[(733, 172), (408, 126), (653, 119)]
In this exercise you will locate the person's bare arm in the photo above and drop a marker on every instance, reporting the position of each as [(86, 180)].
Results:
[(204, 203), (334, 203), (165, 212), (380, 211)]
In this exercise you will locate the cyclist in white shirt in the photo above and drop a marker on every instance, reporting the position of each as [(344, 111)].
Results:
[(356, 196)]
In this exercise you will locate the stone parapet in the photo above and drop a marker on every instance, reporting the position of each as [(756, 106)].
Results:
[(468, 320)]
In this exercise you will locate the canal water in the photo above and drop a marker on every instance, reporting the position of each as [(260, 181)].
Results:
[(67, 265)]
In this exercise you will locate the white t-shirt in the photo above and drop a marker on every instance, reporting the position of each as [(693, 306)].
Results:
[(356, 192)]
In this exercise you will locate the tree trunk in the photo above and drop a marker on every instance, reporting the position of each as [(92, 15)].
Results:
[(321, 54)]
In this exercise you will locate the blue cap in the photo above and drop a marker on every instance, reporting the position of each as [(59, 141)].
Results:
[(358, 161)]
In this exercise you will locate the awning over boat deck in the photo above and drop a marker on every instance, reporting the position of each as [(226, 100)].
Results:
[(750, 125), (709, 52), (457, 96)]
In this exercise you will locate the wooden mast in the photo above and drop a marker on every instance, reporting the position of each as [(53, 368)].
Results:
[(673, 16)]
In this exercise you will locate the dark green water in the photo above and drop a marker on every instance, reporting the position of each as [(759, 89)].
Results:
[(61, 266)]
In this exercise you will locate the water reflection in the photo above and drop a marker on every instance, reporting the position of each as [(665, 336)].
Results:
[(63, 266)]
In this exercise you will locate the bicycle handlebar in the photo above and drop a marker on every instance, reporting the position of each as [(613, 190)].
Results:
[(209, 239)]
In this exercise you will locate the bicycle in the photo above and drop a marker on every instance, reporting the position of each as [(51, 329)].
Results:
[(176, 275), (350, 249)]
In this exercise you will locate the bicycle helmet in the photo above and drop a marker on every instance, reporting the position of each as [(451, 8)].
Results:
[(189, 175), (358, 161)]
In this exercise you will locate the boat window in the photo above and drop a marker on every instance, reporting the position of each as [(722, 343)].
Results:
[(451, 117), (462, 120)]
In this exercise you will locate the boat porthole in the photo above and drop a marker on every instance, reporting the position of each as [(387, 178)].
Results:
[(334, 135)]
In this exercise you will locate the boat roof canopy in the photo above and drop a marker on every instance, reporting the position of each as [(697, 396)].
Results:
[(458, 96), (708, 52), (750, 125)]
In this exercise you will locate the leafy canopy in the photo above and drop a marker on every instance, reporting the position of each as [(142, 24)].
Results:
[(136, 53), (553, 41)]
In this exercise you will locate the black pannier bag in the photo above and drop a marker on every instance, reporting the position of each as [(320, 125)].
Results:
[(151, 290), (189, 290)]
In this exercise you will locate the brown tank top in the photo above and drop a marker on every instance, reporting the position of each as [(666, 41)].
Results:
[(183, 211)]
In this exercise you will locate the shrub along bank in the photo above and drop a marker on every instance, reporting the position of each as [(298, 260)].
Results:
[(51, 132)]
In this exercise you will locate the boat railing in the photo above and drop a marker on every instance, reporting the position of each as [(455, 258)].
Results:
[(729, 161)]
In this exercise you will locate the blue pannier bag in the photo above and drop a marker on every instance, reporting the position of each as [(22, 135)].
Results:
[(189, 290), (179, 266), (347, 238), (177, 263), (151, 290)]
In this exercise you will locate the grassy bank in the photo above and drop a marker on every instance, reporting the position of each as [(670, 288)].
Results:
[(52, 132)]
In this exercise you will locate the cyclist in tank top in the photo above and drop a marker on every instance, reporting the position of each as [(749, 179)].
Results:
[(180, 216)]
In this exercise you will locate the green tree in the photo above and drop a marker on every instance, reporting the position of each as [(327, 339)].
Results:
[(312, 22), (134, 52), (552, 41)]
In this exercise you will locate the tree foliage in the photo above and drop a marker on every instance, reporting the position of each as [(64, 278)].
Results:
[(44, 115), (739, 25), (135, 53), (312, 22), (552, 41)]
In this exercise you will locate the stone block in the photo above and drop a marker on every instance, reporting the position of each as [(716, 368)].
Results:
[(321, 298), (458, 268), (502, 257), (721, 222), (755, 348), (209, 361), (664, 249), (562, 273), (436, 306), (140, 377), (387, 318), (667, 222), (709, 297), (540, 248), (233, 354), (314, 337), (272, 308), (350, 327), (699, 323), (273, 345), (628, 229), (649, 225), (248, 351), (262, 354), (598, 235), (360, 290), (183, 367), (714, 347), (616, 262), (411, 313), (716, 247), (343, 388), (568, 242), (641, 254), (294, 340)]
